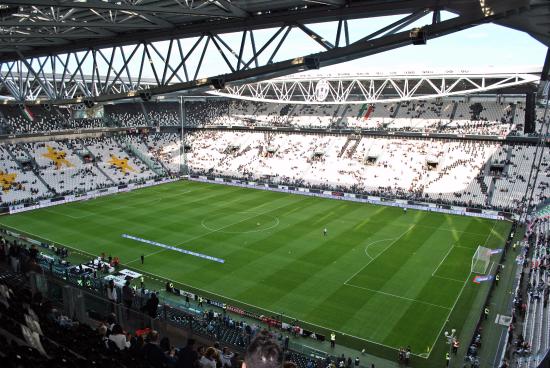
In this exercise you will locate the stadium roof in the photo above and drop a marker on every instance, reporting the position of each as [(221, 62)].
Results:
[(43, 27), (379, 87), (36, 33)]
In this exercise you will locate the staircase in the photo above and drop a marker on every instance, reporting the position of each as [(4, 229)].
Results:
[(394, 114), (513, 113), (481, 181), (352, 138), (108, 121), (3, 126), (290, 113), (155, 166), (97, 166), (145, 114), (508, 159), (338, 116), (15, 159), (160, 162), (34, 169), (491, 190), (61, 117), (354, 147), (455, 107), (348, 141)]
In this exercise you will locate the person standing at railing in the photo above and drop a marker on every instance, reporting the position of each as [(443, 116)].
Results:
[(112, 294), (127, 295)]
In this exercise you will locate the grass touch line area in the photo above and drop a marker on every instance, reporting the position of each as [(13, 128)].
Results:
[(371, 279)]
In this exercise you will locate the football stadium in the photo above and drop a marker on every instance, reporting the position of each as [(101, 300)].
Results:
[(262, 184)]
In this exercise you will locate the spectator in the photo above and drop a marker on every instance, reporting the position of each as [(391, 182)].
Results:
[(152, 353), (127, 294), (263, 352), (208, 360), (226, 357), (188, 357), (120, 339), (112, 293), (151, 306)]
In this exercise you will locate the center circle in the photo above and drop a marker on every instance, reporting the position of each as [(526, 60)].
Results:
[(239, 222)]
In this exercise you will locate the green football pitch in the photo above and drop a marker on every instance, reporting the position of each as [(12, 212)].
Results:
[(379, 275)]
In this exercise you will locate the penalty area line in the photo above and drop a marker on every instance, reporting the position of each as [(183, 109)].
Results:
[(398, 296), (443, 260)]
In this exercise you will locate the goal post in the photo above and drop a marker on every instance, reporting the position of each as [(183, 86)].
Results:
[(481, 260)]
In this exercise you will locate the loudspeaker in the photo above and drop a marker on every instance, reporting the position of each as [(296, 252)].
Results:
[(145, 95), (312, 62), (530, 115), (218, 82), (544, 86), (418, 36), (47, 107)]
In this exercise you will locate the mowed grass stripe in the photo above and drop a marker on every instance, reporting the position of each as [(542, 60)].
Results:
[(290, 268)]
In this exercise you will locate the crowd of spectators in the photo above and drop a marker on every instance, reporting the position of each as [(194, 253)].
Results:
[(480, 174), (528, 339)]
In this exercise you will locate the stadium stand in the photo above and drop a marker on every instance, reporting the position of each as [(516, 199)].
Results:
[(450, 171), (482, 174), (446, 116)]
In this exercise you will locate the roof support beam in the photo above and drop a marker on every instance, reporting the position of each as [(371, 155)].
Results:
[(315, 37), (354, 10), (66, 36), (72, 24), (101, 5)]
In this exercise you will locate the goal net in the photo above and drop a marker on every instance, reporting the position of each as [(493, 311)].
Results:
[(481, 259)]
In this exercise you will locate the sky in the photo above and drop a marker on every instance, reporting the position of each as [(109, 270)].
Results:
[(485, 46)]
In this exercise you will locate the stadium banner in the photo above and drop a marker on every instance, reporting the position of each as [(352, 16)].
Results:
[(89, 195), (187, 293), (119, 281), (215, 303), (130, 273), (431, 207), (479, 279), (236, 310)]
